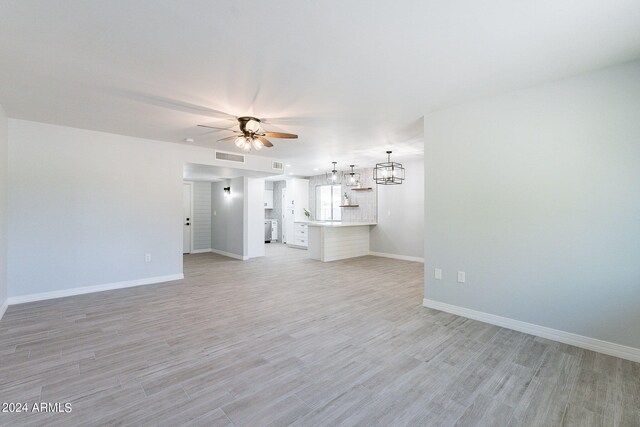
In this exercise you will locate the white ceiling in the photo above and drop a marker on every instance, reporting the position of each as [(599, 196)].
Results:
[(352, 78)]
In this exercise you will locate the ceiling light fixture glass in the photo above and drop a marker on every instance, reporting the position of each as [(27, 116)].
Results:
[(257, 144), (388, 173), (353, 179), (252, 126), (334, 177)]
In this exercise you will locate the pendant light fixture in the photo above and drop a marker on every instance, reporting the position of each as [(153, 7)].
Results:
[(334, 177), (352, 178), (388, 173)]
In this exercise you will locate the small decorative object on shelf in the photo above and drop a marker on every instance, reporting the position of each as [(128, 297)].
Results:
[(307, 213), (346, 198), (388, 173)]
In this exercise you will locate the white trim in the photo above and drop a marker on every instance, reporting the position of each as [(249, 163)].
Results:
[(200, 251), (230, 255), (401, 257), (90, 289), (3, 308), (605, 347)]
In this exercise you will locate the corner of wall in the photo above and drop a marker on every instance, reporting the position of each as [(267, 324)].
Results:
[(4, 167)]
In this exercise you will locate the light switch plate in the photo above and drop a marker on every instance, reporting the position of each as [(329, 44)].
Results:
[(437, 273), (462, 276)]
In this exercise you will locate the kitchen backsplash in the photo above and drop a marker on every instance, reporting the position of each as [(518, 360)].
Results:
[(367, 211)]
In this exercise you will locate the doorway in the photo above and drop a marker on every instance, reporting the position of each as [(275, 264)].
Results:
[(187, 199)]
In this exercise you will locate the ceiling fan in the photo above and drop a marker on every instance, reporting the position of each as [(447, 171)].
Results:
[(251, 134)]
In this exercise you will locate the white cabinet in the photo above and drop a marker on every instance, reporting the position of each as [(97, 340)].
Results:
[(274, 230), (300, 234), (296, 201), (268, 199)]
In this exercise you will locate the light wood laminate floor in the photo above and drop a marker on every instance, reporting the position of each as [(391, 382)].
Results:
[(286, 340)]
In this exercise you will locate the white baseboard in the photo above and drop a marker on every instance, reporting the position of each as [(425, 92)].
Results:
[(605, 347), (3, 308), (401, 257), (230, 255), (90, 289), (200, 251)]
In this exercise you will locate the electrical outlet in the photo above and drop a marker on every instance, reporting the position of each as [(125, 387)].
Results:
[(147, 257), (437, 273), (214, 213), (462, 276)]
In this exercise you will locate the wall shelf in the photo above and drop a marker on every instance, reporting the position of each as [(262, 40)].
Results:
[(362, 189), (349, 206)]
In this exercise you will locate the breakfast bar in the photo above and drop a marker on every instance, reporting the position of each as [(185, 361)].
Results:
[(332, 241)]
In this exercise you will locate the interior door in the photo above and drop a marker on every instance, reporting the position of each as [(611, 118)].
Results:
[(186, 218)]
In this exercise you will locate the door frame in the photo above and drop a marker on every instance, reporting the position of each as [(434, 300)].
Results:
[(283, 215), (190, 184)]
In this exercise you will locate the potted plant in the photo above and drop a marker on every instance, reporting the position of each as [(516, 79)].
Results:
[(346, 199), (307, 214)]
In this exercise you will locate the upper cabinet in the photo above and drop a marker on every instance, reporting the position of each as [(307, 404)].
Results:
[(268, 199)]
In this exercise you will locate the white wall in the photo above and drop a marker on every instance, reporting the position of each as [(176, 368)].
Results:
[(4, 143), (254, 217), (201, 215), (227, 233), (536, 195), (400, 229), (86, 206)]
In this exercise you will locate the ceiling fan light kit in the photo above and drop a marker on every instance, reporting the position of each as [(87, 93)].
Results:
[(388, 173), (251, 135)]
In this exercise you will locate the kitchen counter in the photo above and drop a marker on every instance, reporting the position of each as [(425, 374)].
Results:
[(331, 241), (338, 224)]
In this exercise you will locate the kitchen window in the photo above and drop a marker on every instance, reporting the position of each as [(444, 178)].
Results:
[(328, 202)]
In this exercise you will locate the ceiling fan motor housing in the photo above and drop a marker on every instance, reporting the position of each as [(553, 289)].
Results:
[(249, 124)]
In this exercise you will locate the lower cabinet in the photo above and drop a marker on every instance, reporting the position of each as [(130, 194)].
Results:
[(300, 235)]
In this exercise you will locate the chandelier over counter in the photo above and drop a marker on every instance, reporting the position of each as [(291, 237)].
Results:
[(334, 176), (388, 173), (352, 178)]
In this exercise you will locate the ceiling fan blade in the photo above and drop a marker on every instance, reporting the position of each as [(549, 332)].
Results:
[(280, 135), (265, 141), (213, 127), (228, 138)]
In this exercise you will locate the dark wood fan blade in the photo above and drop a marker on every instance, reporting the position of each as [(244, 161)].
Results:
[(280, 135), (213, 127), (265, 141), (228, 138)]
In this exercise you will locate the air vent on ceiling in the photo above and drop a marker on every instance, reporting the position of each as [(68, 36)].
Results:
[(229, 157), (277, 165)]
